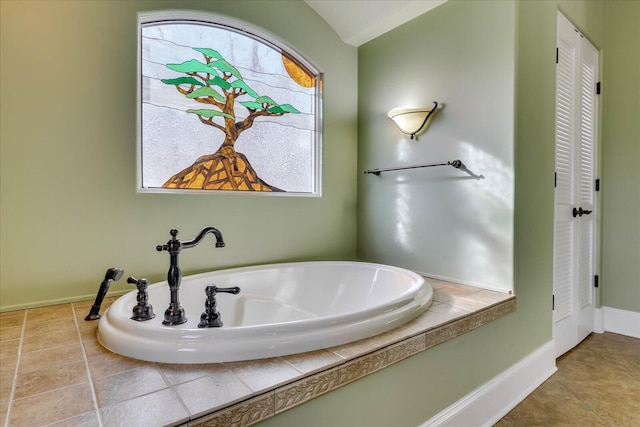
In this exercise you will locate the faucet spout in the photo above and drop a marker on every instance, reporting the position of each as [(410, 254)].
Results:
[(207, 230)]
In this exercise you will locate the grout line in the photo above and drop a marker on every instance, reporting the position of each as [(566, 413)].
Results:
[(174, 391), (86, 364), (291, 364), (252, 393), (15, 374)]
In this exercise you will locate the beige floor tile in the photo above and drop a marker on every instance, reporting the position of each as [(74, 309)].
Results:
[(127, 385), (50, 378), (90, 419), (161, 408), (178, 374), (264, 374), (104, 365), (451, 311), (490, 297), (85, 306), (615, 401), (612, 343), (87, 324), (92, 347), (356, 348), (14, 320), (41, 342), (461, 290), (551, 405), (49, 327), (10, 333), (313, 361), (81, 313), (9, 348), (6, 384), (52, 406), (87, 332), (8, 365), (438, 284), (211, 392), (595, 385), (629, 363), (13, 313), (584, 365), (467, 302), (41, 359), (441, 295), (49, 313)]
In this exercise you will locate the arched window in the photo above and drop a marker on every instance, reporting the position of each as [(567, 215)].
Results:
[(224, 107)]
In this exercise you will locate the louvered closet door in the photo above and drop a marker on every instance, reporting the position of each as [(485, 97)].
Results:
[(574, 231), (586, 224)]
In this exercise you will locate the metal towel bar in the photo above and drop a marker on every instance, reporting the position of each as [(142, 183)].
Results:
[(455, 163)]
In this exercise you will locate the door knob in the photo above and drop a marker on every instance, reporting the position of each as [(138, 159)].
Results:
[(580, 212)]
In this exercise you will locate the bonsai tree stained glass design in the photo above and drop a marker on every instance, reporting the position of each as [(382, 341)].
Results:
[(225, 110)]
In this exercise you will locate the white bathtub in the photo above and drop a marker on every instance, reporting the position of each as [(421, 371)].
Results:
[(281, 309)]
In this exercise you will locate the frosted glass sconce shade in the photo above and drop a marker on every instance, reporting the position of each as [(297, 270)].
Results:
[(411, 120)]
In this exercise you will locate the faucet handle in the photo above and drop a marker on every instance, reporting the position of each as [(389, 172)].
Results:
[(140, 284), (173, 245), (143, 310), (211, 318), (211, 290), (234, 290)]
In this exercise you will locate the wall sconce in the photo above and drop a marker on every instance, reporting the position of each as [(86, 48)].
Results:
[(411, 120)]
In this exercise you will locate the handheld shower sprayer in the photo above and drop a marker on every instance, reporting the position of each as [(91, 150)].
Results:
[(112, 274)]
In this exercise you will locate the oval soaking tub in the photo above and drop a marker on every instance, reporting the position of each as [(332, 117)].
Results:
[(281, 309)]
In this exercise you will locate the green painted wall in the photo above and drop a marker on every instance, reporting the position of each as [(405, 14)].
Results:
[(588, 17), (427, 383), (69, 204), (438, 221), (621, 157)]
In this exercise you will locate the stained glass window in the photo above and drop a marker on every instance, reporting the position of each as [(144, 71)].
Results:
[(225, 108)]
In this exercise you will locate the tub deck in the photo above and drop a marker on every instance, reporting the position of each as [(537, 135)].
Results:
[(53, 368)]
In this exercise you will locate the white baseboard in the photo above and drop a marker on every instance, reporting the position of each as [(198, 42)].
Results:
[(489, 403), (598, 321), (621, 322)]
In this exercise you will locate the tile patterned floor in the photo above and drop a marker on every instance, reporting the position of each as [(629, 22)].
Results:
[(597, 384), (53, 372)]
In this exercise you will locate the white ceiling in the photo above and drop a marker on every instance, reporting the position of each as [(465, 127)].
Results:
[(358, 21)]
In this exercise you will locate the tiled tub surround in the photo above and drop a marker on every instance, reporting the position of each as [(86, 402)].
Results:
[(54, 372)]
